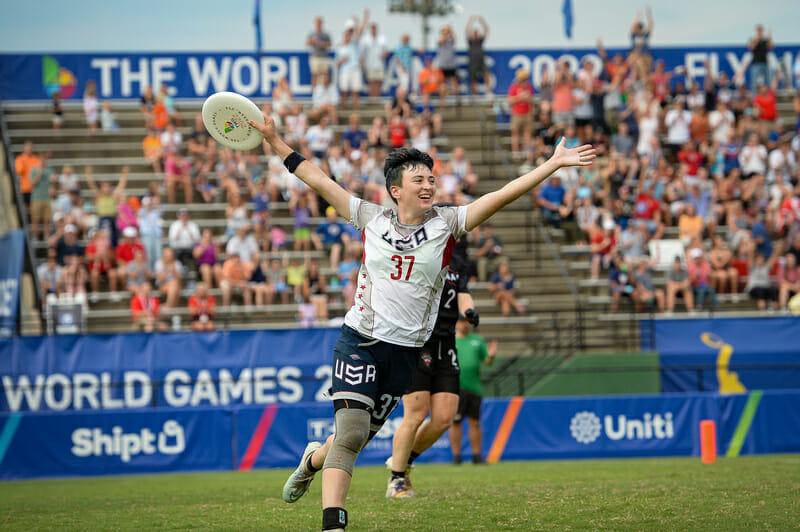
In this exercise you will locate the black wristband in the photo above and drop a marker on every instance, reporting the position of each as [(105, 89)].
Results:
[(292, 161)]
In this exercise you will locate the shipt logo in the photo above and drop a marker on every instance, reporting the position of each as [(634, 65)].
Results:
[(56, 78), (229, 126)]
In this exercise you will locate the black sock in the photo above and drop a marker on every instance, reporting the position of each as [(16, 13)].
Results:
[(398, 474), (476, 459), (333, 518), (413, 456), (309, 466)]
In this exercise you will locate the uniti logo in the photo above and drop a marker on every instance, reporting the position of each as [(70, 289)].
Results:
[(229, 126), (56, 78)]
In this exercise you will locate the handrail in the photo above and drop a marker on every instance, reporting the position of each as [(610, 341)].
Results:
[(30, 262)]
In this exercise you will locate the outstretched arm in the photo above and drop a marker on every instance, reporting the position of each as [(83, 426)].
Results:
[(484, 207), (310, 174)]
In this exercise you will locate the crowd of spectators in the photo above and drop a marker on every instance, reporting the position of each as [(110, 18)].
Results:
[(707, 163), (712, 161)]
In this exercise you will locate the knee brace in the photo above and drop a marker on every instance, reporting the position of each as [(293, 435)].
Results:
[(352, 433)]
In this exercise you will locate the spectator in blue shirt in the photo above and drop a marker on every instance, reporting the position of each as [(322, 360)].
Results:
[(551, 199), (330, 235), (354, 138), (760, 234)]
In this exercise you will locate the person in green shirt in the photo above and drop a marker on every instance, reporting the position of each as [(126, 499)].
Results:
[(473, 352), (41, 206)]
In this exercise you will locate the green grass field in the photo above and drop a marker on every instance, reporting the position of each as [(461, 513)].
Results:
[(747, 493)]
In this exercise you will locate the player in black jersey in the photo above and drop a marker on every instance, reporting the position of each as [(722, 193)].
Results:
[(435, 385)]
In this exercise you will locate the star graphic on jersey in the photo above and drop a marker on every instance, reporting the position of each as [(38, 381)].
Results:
[(360, 296), (361, 309), (364, 275), (363, 287)]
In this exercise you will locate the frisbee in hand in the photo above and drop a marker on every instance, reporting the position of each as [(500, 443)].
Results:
[(226, 116)]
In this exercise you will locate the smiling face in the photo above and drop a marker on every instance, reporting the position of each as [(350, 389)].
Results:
[(416, 188)]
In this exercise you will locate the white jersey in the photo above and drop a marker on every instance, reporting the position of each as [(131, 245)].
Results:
[(402, 273)]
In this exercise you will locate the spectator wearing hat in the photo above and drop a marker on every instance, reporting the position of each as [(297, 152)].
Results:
[(331, 235), (348, 61), (66, 243), (700, 278), (183, 235), (520, 98), (145, 310), (100, 260), (126, 249)]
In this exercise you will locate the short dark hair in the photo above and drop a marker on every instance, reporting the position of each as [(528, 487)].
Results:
[(403, 159)]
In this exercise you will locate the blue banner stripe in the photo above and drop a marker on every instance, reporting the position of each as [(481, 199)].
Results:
[(7, 435)]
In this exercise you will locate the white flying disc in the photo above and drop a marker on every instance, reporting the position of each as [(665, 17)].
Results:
[(226, 116)]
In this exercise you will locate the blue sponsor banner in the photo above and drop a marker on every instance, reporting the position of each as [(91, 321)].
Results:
[(738, 354), (132, 371), (243, 437), (109, 443), (12, 247), (199, 74)]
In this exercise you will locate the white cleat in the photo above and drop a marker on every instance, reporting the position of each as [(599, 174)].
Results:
[(397, 489), (301, 478), (408, 488)]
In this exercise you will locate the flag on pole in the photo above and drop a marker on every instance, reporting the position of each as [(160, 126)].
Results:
[(257, 23), (568, 20)]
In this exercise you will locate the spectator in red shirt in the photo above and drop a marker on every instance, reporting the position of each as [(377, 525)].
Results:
[(520, 97), (766, 105), (691, 157), (603, 244), (397, 132), (202, 308), (125, 250), (100, 260), (145, 308)]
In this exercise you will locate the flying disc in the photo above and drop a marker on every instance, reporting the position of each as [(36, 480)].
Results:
[(226, 116)]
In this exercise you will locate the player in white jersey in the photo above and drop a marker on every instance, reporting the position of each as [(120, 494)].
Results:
[(406, 254)]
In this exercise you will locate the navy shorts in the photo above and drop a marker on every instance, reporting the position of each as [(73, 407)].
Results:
[(372, 372), (437, 369)]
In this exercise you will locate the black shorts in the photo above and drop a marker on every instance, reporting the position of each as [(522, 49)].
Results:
[(449, 73), (372, 372), (437, 369), (26, 198), (469, 405)]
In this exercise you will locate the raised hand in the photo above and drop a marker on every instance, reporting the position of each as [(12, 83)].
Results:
[(267, 129), (580, 156)]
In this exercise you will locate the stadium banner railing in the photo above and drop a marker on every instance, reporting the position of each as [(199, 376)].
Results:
[(159, 440), (199, 74), (728, 355)]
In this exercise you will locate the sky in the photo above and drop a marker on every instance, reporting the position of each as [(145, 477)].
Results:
[(226, 25)]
